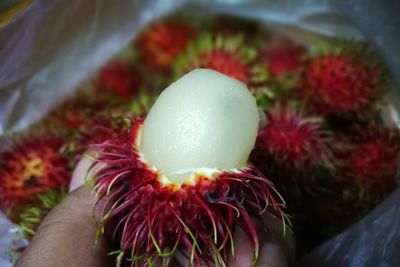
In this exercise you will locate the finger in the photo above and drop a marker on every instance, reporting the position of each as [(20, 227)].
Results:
[(244, 250), (66, 236), (276, 233), (272, 255)]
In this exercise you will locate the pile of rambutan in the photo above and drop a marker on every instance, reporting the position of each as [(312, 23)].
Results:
[(324, 142)]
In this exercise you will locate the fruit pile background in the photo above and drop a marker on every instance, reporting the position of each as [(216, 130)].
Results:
[(327, 142)]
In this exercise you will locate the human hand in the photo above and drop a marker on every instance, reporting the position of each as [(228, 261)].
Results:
[(66, 237)]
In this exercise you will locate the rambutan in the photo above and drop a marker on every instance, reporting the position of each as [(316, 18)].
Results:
[(368, 157), (228, 55), (29, 167), (283, 58), (69, 117), (291, 141), (97, 129), (161, 43), (121, 79), (180, 180), (344, 81)]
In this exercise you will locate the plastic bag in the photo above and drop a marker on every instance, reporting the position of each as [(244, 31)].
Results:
[(10, 239), (47, 51)]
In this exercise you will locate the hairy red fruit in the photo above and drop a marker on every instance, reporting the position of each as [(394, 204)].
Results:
[(292, 140), (161, 43), (283, 58), (228, 55), (30, 167), (340, 83), (226, 63), (369, 157), (154, 218), (120, 78), (96, 129)]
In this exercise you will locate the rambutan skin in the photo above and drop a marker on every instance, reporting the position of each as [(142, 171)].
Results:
[(153, 219), (161, 43), (334, 84), (291, 141), (29, 167), (369, 157), (120, 78), (229, 55), (283, 58)]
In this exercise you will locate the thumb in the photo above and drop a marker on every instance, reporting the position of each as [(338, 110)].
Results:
[(66, 236)]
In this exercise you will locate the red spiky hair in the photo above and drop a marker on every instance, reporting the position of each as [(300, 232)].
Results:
[(369, 157), (120, 78), (154, 218), (283, 57), (292, 140), (343, 81), (29, 167), (161, 43), (228, 55), (97, 129)]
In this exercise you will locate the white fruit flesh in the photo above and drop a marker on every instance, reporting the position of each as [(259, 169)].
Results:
[(203, 120)]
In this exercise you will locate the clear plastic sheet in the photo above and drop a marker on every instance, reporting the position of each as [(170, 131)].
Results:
[(10, 239), (47, 51)]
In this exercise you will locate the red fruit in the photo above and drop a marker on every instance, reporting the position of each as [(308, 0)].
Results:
[(30, 167), (226, 63), (340, 83), (120, 78), (161, 43), (283, 58), (293, 141), (154, 216), (369, 157), (228, 55), (96, 129)]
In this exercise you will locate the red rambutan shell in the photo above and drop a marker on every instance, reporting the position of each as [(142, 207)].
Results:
[(30, 167), (292, 140), (161, 43), (228, 55), (120, 78), (226, 63), (153, 219), (283, 58), (369, 157), (340, 83)]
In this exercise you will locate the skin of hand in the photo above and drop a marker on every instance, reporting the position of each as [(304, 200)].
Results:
[(66, 237)]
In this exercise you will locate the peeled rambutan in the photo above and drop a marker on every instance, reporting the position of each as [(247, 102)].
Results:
[(343, 81), (120, 78), (368, 157), (291, 141), (180, 179), (29, 167), (161, 43), (229, 55)]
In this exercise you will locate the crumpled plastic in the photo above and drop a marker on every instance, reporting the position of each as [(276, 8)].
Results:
[(10, 239), (51, 48)]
